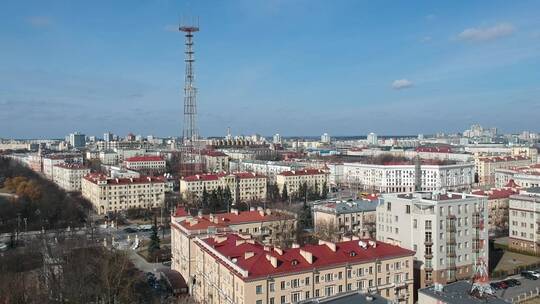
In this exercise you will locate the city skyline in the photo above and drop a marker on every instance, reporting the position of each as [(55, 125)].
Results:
[(294, 68)]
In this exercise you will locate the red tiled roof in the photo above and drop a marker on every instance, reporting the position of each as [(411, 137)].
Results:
[(242, 175), (303, 172), (95, 177), (512, 184), (213, 153), (258, 265), (229, 218), (496, 193), (495, 159), (144, 158), (180, 212), (203, 177)]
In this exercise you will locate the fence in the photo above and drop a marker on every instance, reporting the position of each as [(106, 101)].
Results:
[(526, 296)]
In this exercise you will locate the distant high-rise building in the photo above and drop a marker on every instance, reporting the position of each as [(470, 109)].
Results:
[(325, 138), (77, 140), (372, 139), (108, 137), (276, 139)]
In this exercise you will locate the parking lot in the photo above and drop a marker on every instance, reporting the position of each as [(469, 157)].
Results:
[(527, 285)]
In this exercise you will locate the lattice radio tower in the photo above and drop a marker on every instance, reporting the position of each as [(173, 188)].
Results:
[(190, 151)]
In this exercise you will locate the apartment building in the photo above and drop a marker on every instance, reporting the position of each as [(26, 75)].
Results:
[(356, 217), (260, 223), (267, 168), (50, 161), (446, 230), (401, 176), (497, 206), (524, 232), (294, 179), (146, 163), (244, 186), (526, 177), (215, 161), (232, 268), (485, 166), (109, 194), (69, 176)]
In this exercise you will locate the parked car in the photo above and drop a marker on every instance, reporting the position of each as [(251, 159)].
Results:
[(494, 286), (530, 274), (130, 230), (503, 285)]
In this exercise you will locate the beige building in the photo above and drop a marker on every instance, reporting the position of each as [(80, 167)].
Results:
[(215, 161), (498, 208), (526, 177), (356, 217), (114, 194), (145, 163), (232, 268), (294, 179), (486, 165), (524, 232), (50, 161), (69, 176), (261, 223), (446, 230), (244, 186)]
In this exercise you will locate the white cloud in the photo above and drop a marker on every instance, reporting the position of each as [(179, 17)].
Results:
[(401, 84), (487, 33), (39, 21)]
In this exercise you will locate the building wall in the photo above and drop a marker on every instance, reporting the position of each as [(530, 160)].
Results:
[(69, 179), (217, 284), (443, 233), (294, 182), (107, 197), (524, 220), (401, 178)]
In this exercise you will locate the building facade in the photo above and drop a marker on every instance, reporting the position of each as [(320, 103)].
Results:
[(401, 177), (50, 161), (115, 194), (69, 176), (215, 161), (232, 268), (148, 163), (446, 230), (524, 232), (264, 224), (293, 180), (356, 217), (526, 177), (244, 186), (486, 165)]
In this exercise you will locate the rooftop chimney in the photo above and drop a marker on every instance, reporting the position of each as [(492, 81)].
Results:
[(308, 256), (330, 245)]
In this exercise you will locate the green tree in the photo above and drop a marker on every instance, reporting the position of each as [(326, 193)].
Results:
[(305, 218), (204, 198), (227, 197), (324, 194), (154, 238), (284, 193)]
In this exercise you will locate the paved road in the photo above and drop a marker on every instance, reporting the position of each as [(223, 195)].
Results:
[(143, 265)]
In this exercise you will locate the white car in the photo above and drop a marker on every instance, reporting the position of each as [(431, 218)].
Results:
[(3, 246)]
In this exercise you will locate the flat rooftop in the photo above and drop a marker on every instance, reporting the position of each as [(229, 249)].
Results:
[(435, 196), (458, 293)]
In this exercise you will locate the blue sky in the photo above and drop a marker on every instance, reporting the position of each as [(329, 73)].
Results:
[(297, 67)]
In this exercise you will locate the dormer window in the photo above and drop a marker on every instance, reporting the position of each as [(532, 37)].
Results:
[(294, 262), (352, 253)]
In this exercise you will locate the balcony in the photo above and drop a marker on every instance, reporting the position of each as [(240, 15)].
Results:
[(428, 268), (428, 242), (451, 228), (451, 253), (428, 255), (451, 239)]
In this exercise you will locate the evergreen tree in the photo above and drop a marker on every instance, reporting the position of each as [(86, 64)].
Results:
[(324, 194), (154, 238), (227, 197), (214, 201), (284, 193), (204, 198), (305, 217)]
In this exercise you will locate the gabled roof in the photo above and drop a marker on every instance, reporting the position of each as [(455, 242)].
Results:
[(231, 218), (258, 262)]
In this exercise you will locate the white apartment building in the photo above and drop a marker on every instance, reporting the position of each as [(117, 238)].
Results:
[(49, 161), (244, 186), (356, 217), (294, 179), (400, 177), (145, 163), (114, 194), (69, 176), (525, 177), (267, 168), (524, 231), (215, 161), (448, 232)]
